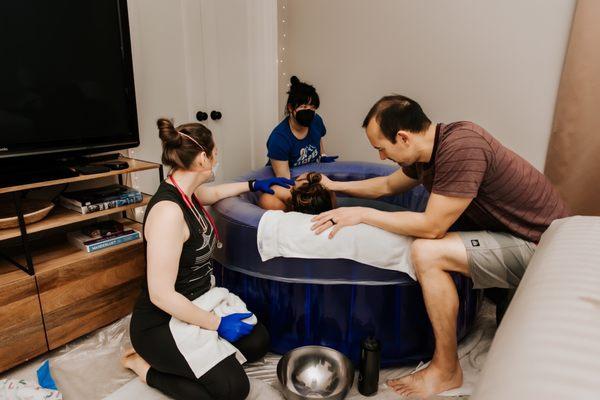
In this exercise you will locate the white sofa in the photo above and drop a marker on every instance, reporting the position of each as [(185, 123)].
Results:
[(548, 344)]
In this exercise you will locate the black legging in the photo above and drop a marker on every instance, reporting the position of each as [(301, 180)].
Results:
[(225, 381)]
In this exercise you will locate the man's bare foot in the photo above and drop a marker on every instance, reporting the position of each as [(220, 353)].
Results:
[(132, 360), (427, 382)]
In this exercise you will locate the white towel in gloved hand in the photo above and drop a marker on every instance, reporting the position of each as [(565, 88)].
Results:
[(283, 234), (225, 303), (203, 348)]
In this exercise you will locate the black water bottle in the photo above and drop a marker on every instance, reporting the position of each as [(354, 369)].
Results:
[(368, 375)]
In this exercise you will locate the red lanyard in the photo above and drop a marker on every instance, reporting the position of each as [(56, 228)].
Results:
[(194, 211)]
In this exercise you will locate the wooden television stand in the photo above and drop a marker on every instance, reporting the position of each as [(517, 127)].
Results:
[(52, 292)]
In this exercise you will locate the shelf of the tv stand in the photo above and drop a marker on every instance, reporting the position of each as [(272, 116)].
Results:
[(61, 216), (134, 166), (72, 294)]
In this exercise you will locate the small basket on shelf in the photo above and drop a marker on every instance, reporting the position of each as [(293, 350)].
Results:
[(33, 211)]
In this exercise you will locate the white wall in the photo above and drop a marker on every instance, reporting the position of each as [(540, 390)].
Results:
[(262, 74), (157, 45), (496, 63), (192, 55)]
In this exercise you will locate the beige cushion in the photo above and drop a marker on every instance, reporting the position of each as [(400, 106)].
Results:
[(548, 344)]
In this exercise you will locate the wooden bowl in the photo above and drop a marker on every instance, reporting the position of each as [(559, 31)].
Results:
[(33, 211)]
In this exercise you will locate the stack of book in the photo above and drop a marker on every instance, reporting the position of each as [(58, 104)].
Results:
[(102, 235), (98, 199)]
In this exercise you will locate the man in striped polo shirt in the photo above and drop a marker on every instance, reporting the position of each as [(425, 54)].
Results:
[(500, 201)]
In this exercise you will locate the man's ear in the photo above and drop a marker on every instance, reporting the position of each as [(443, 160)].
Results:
[(403, 137)]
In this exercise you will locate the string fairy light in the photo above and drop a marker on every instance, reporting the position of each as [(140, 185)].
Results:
[(283, 18)]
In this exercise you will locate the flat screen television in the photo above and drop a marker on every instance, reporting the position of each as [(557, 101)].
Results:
[(66, 79)]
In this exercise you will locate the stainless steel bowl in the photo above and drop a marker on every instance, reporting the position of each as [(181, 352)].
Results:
[(315, 372)]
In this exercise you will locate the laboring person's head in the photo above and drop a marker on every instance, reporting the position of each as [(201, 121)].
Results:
[(302, 102), (188, 147), (309, 196), (395, 127)]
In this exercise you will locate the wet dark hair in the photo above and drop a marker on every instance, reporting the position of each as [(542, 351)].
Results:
[(301, 93), (179, 152), (394, 113), (312, 197)]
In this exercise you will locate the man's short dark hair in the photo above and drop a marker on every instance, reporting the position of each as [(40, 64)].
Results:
[(395, 113)]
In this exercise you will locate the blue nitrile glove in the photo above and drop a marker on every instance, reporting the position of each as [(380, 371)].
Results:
[(232, 328), (264, 185), (328, 159)]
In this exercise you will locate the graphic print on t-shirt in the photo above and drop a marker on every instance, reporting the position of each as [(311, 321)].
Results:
[(308, 154)]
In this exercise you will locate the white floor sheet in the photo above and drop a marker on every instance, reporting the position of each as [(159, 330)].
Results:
[(89, 368)]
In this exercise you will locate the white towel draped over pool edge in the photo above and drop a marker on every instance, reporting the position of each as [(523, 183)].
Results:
[(282, 234)]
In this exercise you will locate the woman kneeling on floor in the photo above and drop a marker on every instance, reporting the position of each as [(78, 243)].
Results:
[(190, 338)]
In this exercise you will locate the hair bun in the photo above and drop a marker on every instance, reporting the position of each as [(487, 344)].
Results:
[(294, 80), (313, 178), (167, 132), (312, 197)]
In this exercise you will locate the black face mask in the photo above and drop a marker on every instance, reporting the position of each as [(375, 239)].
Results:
[(305, 117)]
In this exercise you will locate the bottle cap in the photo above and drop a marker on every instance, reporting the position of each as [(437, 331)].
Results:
[(371, 344)]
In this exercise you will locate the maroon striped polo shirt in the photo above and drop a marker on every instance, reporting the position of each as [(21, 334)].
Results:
[(508, 193)]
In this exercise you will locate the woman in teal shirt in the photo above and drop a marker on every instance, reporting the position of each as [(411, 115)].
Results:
[(298, 139)]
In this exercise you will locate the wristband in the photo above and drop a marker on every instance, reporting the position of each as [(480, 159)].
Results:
[(251, 185)]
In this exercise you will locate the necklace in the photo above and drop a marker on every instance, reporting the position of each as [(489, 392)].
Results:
[(196, 213)]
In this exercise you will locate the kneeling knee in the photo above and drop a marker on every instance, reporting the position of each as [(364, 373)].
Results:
[(256, 344), (239, 388), (260, 344), (234, 385)]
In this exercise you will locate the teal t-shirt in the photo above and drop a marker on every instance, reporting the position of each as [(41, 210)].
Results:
[(282, 145)]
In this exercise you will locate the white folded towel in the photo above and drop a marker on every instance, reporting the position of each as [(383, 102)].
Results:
[(288, 235), (203, 348), (223, 303)]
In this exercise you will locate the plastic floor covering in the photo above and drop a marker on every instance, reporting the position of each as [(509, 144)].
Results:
[(89, 367)]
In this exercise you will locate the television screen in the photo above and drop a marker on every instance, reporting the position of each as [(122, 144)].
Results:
[(66, 80)]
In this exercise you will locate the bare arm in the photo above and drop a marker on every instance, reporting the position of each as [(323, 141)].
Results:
[(165, 232), (275, 201), (323, 146), (433, 223), (209, 195), (374, 188), (281, 168)]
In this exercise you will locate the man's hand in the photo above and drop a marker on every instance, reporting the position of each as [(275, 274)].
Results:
[(325, 181), (338, 218)]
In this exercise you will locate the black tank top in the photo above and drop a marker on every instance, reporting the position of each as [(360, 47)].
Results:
[(195, 262)]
